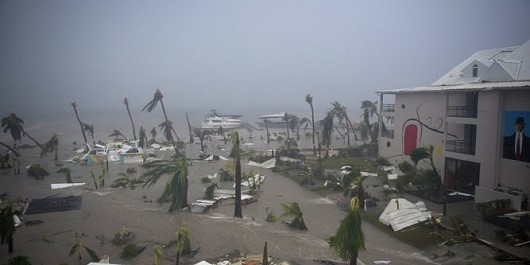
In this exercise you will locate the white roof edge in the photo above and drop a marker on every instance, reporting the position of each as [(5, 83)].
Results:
[(505, 85)]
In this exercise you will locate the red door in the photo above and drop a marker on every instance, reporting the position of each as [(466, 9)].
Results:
[(410, 139)]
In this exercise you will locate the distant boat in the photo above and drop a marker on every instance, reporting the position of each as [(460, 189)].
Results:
[(217, 114), (217, 122), (276, 120)]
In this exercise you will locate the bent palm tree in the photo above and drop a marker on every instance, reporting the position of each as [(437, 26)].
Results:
[(309, 100), (176, 189), (126, 102), (81, 124), (349, 238), (293, 210), (157, 98), (13, 124), (342, 114), (189, 127), (369, 109), (236, 154)]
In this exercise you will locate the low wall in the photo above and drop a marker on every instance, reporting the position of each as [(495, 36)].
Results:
[(486, 195)]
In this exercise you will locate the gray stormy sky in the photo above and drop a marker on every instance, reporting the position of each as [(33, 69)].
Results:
[(238, 54)]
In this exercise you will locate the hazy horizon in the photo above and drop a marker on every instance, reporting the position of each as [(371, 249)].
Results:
[(238, 55)]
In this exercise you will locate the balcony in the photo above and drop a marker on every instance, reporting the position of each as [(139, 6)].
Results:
[(461, 111), (389, 108), (460, 146)]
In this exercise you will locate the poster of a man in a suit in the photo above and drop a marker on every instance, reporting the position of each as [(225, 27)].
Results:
[(516, 137)]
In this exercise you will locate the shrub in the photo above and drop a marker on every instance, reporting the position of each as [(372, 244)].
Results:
[(131, 251), (383, 162), (351, 151), (405, 167)]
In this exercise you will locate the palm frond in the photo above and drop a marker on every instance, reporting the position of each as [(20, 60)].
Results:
[(92, 254), (149, 107)]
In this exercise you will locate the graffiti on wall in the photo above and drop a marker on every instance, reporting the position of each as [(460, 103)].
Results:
[(413, 129)]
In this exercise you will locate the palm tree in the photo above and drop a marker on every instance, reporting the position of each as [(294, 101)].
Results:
[(153, 134), (236, 154), (183, 240), (126, 102), (74, 106), (294, 125), (349, 238), (341, 113), (265, 259), (157, 98), (176, 189), (189, 128), (363, 129), (309, 100), (165, 127), (13, 124), (221, 132), (201, 134), (286, 119), (143, 137), (90, 129), (7, 226), (327, 129), (117, 134), (267, 129), (369, 109), (51, 146)]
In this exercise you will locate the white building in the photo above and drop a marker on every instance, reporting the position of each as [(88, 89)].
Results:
[(468, 116)]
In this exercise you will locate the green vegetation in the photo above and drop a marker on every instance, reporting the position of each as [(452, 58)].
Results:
[(131, 251), (293, 210), (124, 237), (349, 238), (78, 247)]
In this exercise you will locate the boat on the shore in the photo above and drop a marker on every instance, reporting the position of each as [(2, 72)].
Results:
[(217, 122), (276, 120)]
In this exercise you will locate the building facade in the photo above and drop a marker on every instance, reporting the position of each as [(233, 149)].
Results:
[(476, 118)]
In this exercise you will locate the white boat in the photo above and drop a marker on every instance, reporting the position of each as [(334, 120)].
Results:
[(217, 122), (276, 120)]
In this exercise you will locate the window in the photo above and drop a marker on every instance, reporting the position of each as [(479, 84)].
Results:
[(475, 70)]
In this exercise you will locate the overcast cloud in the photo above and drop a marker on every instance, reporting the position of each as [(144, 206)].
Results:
[(239, 54)]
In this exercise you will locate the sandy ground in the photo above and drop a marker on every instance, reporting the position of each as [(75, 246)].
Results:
[(106, 210)]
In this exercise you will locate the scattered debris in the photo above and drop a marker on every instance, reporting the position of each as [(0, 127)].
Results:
[(401, 213), (55, 186), (271, 163)]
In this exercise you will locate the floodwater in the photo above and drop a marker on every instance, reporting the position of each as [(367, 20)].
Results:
[(106, 210)]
